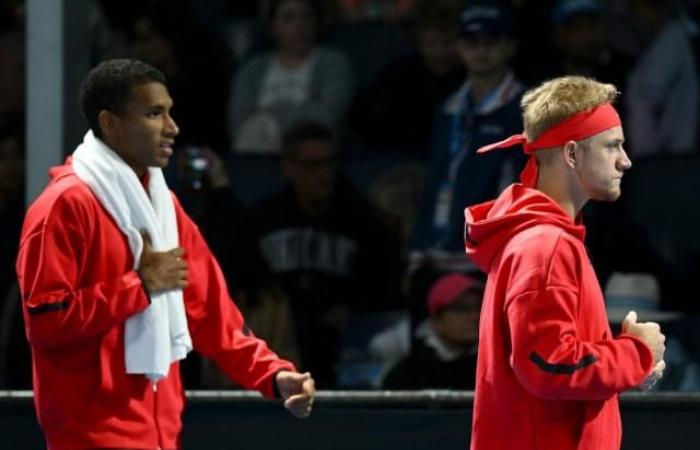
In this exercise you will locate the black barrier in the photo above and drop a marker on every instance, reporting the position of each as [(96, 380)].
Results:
[(367, 420)]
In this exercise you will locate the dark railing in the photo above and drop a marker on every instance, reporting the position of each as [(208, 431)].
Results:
[(365, 420)]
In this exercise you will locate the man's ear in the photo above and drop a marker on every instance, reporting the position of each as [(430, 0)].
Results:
[(569, 154), (108, 123)]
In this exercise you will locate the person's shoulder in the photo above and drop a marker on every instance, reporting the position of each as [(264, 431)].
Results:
[(535, 245), (544, 255), (67, 190), (66, 201)]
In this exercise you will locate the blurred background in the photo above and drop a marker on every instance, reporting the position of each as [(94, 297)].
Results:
[(317, 138)]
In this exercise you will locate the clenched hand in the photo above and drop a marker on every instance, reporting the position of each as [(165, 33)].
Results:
[(297, 390)]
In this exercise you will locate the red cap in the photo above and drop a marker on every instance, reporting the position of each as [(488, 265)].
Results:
[(448, 288)]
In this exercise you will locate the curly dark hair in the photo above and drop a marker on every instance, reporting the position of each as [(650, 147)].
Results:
[(108, 86)]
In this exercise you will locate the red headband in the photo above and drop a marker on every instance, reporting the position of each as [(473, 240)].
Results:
[(574, 128)]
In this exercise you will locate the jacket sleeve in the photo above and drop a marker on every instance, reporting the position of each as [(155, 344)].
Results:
[(554, 357), (216, 325), (58, 308)]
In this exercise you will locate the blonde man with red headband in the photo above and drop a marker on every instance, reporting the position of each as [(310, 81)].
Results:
[(549, 369)]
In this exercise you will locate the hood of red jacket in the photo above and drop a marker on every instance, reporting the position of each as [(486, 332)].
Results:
[(57, 172), (490, 225)]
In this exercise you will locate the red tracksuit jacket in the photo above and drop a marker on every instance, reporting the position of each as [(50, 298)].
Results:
[(76, 278), (549, 370)]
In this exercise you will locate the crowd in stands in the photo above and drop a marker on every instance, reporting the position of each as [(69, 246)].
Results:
[(328, 150)]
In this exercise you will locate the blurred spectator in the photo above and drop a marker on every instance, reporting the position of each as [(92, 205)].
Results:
[(204, 188), (663, 96), (12, 75), (197, 67), (298, 80), (485, 109), (15, 359), (535, 43), (395, 194), (233, 22), (108, 34), (444, 348), (388, 10), (320, 241), (632, 24), (397, 111), (579, 36)]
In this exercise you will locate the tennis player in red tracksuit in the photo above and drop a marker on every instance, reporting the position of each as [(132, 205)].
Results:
[(549, 369), (76, 275)]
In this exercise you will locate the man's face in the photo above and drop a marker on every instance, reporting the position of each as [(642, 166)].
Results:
[(600, 165), (437, 48), (294, 26), (484, 55), (311, 170), (144, 132)]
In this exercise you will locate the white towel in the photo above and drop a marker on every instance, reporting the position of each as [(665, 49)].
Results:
[(157, 336)]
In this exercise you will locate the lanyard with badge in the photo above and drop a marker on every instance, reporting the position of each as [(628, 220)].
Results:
[(462, 124), (460, 141)]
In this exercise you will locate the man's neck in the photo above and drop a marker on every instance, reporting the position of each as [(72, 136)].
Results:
[(481, 86), (561, 191)]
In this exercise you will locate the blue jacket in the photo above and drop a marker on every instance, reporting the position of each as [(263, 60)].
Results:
[(458, 132)]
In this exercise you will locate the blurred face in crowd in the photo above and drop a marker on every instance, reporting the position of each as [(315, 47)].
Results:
[(458, 323), (143, 133), (484, 55), (600, 162), (150, 46), (311, 168), (11, 165), (437, 48), (294, 26), (581, 38)]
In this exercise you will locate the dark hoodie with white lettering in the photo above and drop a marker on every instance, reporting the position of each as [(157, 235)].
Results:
[(549, 370)]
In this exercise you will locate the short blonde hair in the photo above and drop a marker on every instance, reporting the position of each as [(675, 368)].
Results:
[(553, 101)]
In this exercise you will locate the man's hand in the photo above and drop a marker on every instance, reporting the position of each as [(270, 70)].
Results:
[(161, 271), (297, 391), (649, 332)]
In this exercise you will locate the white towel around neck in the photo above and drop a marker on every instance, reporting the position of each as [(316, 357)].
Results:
[(157, 336)]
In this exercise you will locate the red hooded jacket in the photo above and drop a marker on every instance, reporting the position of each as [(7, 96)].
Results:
[(549, 370), (78, 285)]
